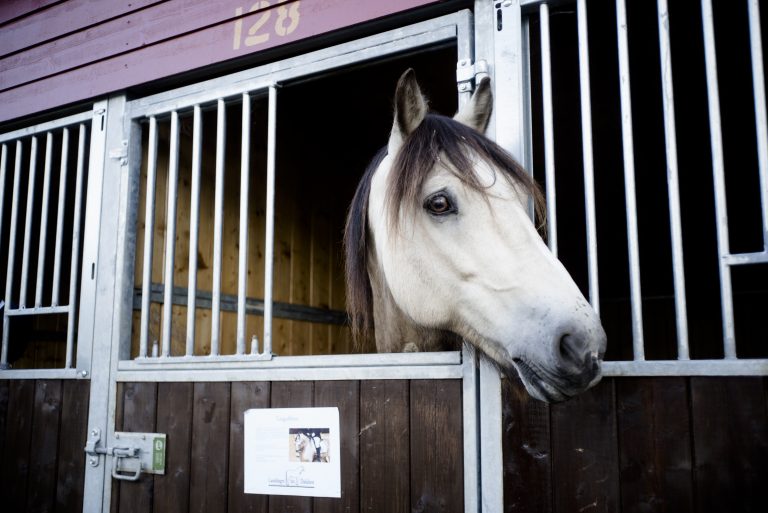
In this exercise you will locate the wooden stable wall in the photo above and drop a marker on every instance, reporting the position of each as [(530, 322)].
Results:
[(402, 445), (309, 220), (43, 426), (640, 445)]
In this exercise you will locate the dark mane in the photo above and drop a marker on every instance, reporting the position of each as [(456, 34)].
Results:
[(436, 138)]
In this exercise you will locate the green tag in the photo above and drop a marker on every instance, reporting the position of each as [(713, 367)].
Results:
[(158, 454)]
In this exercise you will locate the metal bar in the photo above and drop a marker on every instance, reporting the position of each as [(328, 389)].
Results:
[(3, 166), (638, 343), (730, 367), (242, 274), (549, 135), (746, 258), (37, 310), (673, 187), (11, 253), (269, 243), (586, 138), (28, 224), (43, 220), (40, 374), (491, 458), (761, 118), (170, 233), (74, 276), (471, 417), (149, 233), (218, 226), (718, 171), (194, 226), (60, 217), (46, 127), (253, 306)]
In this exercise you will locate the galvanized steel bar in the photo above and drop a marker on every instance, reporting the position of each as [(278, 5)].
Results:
[(170, 233), (218, 226), (60, 217), (46, 127), (43, 220), (638, 343), (761, 118), (74, 261), (194, 226), (269, 243), (673, 187), (3, 166), (586, 138), (549, 134), (718, 170), (28, 224), (11, 253), (242, 274), (149, 234)]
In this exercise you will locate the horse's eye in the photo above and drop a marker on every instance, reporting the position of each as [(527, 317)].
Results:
[(439, 204)]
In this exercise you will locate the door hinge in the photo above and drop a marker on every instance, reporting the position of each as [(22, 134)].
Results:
[(468, 72), (136, 453)]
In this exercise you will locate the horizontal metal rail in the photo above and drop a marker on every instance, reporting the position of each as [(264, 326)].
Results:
[(253, 306)]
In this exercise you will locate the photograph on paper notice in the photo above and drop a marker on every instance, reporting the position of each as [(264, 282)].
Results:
[(292, 451)]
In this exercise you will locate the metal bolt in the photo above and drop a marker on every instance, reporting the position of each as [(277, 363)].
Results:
[(463, 87), (83, 373), (117, 435), (94, 462), (94, 432), (507, 3)]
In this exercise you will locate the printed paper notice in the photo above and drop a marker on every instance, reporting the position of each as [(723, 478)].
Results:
[(293, 451)]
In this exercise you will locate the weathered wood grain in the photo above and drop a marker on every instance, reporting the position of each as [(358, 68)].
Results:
[(174, 418), (139, 415), (16, 462), (74, 431), (245, 395), (44, 442), (384, 446)]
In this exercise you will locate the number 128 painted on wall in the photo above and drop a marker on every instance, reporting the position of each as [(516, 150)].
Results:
[(284, 22)]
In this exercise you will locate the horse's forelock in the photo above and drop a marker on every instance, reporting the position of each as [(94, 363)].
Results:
[(358, 286), (440, 137)]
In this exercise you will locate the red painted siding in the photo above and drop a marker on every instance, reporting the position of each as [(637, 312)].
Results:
[(79, 49)]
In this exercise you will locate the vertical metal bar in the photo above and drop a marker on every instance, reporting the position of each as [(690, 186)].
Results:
[(243, 262), (28, 224), (673, 188), (761, 118), (636, 296), (60, 217), (149, 235), (3, 166), (549, 135), (718, 171), (218, 226), (470, 391), (269, 243), (170, 233), (43, 220), (73, 266), (586, 139), (11, 253), (194, 227)]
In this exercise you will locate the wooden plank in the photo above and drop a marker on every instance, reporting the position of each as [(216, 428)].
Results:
[(4, 385), (291, 394), (114, 504), (74, 432), (16, 462), (300, 283), (64, 18), (12, 9), (527, 450), (437, 458), (653, 418), (139, 412), (245, 395), (210, 447), (585, 452), (345, 395), (41, 492), (384, 446), (320, 279), (730, 436), (174, 418)]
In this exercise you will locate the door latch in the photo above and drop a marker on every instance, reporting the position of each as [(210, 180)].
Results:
[(137, 453)]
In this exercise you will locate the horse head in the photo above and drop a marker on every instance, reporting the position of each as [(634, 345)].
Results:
[(441, 249)]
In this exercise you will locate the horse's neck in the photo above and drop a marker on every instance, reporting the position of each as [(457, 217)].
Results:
[(395, 331)]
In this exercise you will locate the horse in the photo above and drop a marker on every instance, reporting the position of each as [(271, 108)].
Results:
[(311, 447), (440, 251)]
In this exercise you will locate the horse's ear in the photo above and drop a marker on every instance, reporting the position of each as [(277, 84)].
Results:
[(410, 109), (477, 112)]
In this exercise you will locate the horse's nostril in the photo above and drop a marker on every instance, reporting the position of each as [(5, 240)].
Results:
[(571, 349)]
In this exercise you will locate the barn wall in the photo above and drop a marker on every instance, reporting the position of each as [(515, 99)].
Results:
[(397, 451), (639, 444), (42, 435), (86, 48)]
